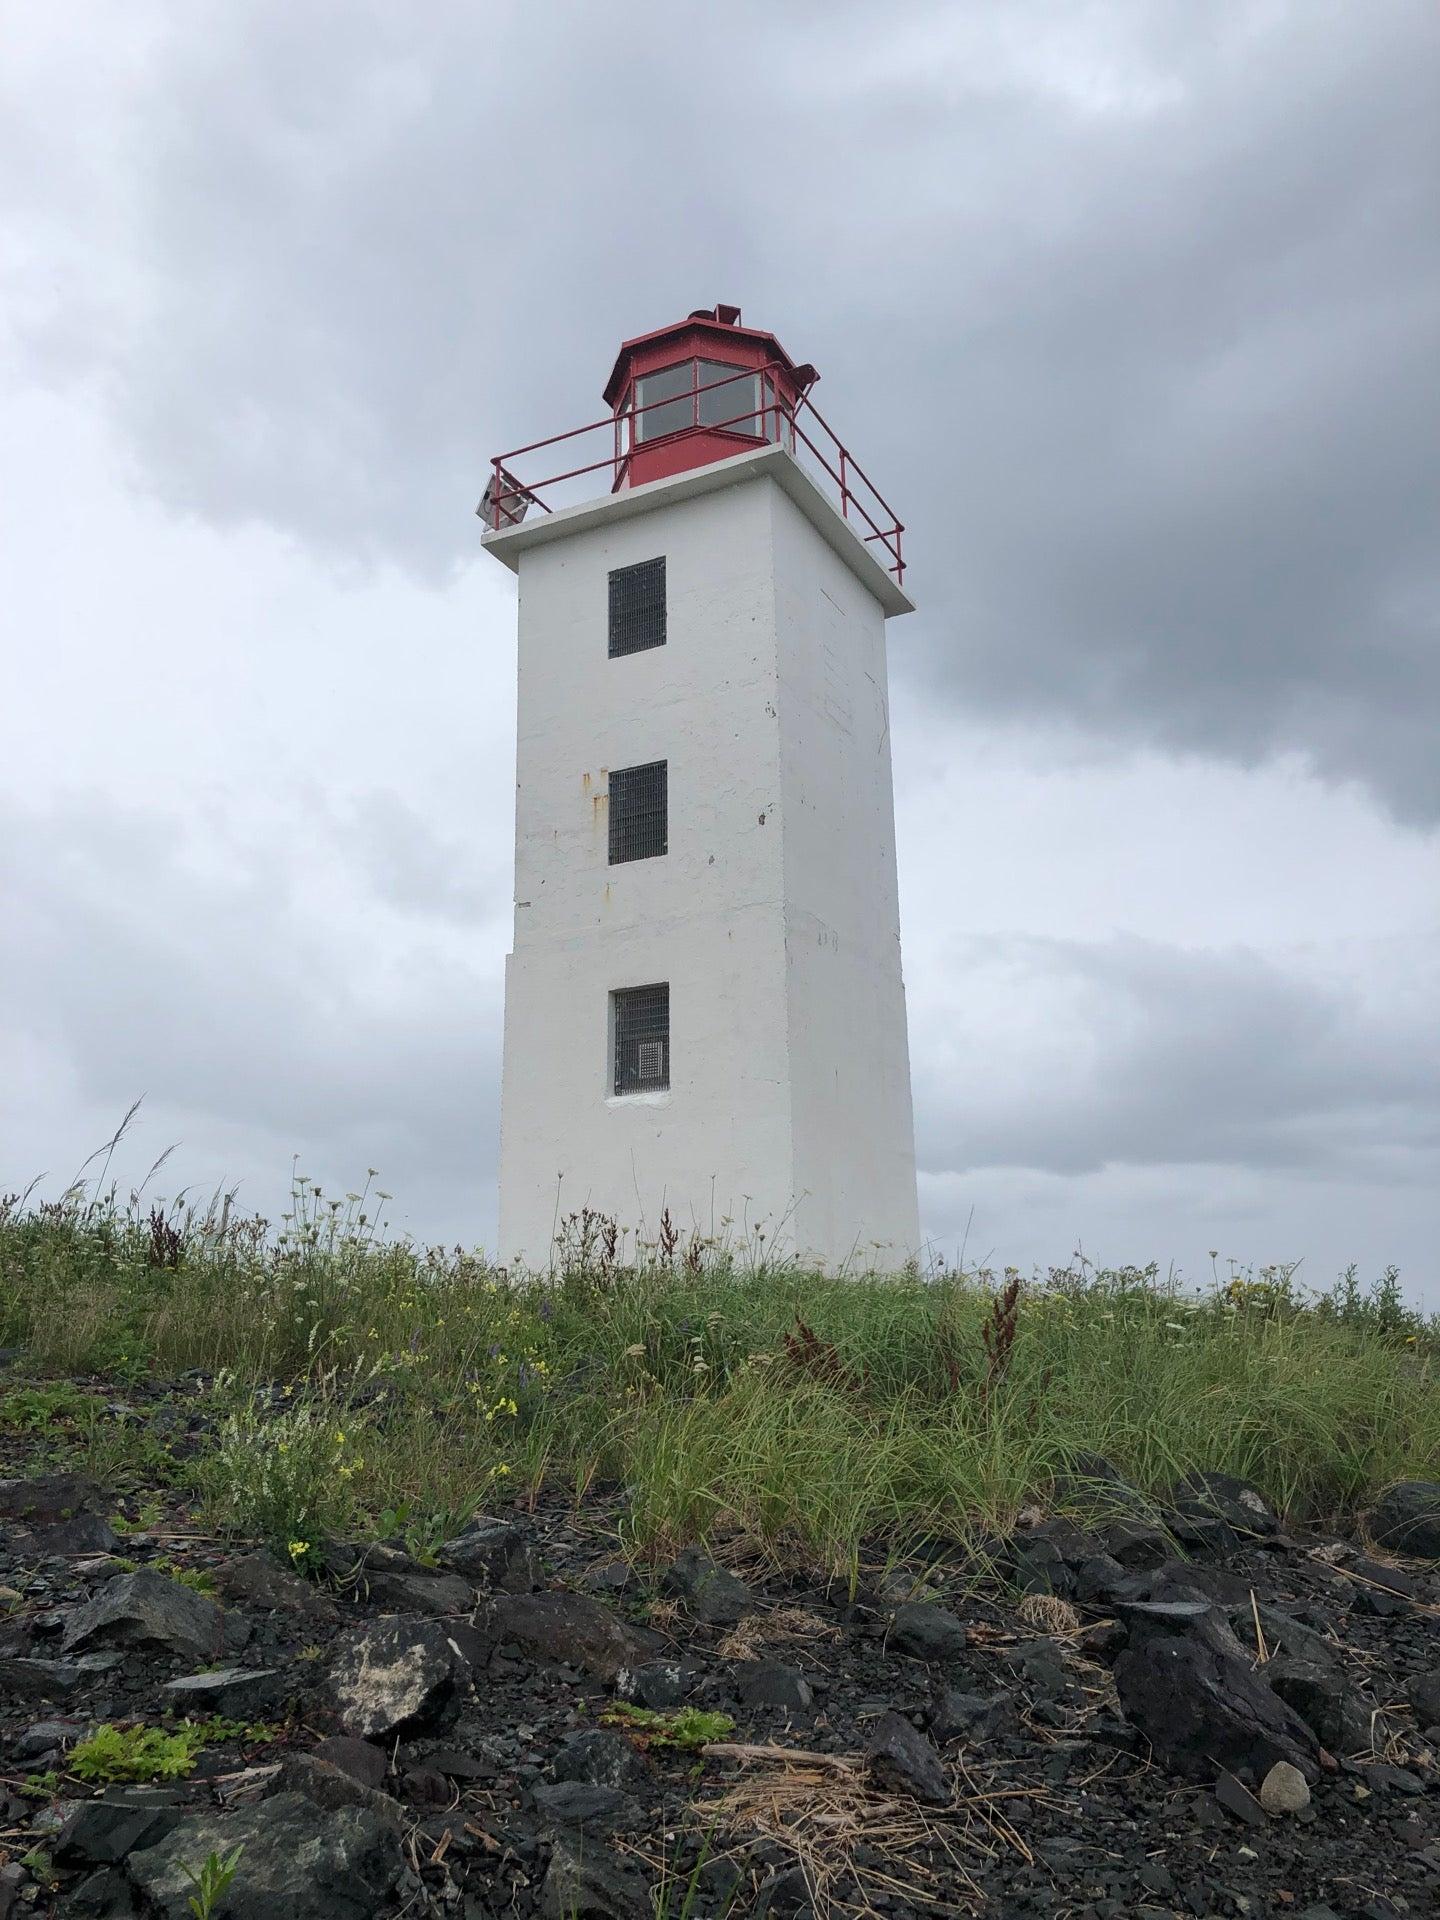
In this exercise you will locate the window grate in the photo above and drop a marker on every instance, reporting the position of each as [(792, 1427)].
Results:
[(641, 1019), (639, 812), (637, 607)]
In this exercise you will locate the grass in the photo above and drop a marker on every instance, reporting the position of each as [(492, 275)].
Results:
[(355, 1384)]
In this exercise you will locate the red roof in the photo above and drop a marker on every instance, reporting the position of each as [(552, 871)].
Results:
[(704, 322)]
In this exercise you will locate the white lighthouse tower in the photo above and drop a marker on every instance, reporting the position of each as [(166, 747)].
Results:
[(704, 1009)]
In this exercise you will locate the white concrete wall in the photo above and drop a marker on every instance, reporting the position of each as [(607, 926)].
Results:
[(772, 916)]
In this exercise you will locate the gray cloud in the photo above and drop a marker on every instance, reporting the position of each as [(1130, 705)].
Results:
[(1149, 1055), (1133, 310)]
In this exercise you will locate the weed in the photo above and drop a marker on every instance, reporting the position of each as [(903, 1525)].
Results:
[(211, 1881), (38, 1863), (139, 1753), (197, 1579), (37, 1410), (41, 1786), (687, 1730)]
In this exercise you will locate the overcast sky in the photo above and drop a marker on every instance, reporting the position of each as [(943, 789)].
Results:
[(1133, 309)]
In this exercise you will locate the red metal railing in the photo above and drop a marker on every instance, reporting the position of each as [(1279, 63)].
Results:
[(509, 495)]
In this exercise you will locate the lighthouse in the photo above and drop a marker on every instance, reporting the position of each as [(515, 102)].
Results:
[(704, 1006)]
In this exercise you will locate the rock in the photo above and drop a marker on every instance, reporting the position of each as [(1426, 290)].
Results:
[(51, 1498), (1096, 1484), (101, 1832), (572, 1629), (45, 1737), (1406, 1519), (484, 1552), (358, 1758), (1379, 1589), (236, 1692), (299, 1861), (659, 1684), (83, 1533), (1101, 1580), (970, 1717), (331, 1787), (580, 1803), (926, 1632), (1284, 1789), (766, 1683), (1323, 1700), (903, 1761), (713, 1595), (259, 1580), (385, 1678), (583, 1883), (147, 1609), (1238, 1799), (1220, 1496), (422, 1592), (1423, 1694), (103, 1895), (1283, 1634), (35, 1679), (1136, 1543), (604, 1759), (610, 1576), (1186, 1684)]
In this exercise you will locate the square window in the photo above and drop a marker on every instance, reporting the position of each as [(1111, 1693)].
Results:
[(665, 401), (734, 404), (637, 607), (639, 812), (640, 1017)]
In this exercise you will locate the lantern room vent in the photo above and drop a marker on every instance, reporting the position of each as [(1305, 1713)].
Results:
[(637, 607)]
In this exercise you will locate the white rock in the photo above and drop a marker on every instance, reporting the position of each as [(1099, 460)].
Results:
[(1284, 1789)]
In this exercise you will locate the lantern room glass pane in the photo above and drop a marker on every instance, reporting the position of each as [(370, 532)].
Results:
[(667, 386), (735, 406)]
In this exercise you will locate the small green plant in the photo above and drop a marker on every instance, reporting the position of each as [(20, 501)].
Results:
[(39, 1863), (195, 1578), (686, 1730), (425, 1533), (149, 1514), (211, 1881), (41, 1786), (42, 1409), (217, 1731), (116, 1755)]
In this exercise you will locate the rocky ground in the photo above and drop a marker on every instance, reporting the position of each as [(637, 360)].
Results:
[(1193, 1712)]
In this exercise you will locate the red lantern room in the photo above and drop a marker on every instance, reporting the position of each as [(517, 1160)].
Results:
[(698, 391)]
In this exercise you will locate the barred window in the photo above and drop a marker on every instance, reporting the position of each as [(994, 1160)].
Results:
[(637, 607), (639, 812), (641, 1020)]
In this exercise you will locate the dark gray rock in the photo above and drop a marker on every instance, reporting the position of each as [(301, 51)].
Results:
[(603, 1759), (572, 1629), (259, 1580), (1340, 1721), (103, 1895), (147, 1609), (49, 1499), (712, 1594), (1094, 1485), (610, 1576), (1240, 1507), (1283, 1634), (82, 1533), (1406, 1519), (767, 1683), (300, 1860), (1101, 1580), (46, 1736), (331, 1788), (101, 1832), (1186, 1683), (926, 1632), (969, 1717), (385, 1678), (420, 1592), (26, 1678), (580, 1803), (237, 1692), (659, 1684), (1136, 1543), (1423, 1693), (1236, 1798), (358, 1758), (585, 1883), (900, 1760), (485, 1551)]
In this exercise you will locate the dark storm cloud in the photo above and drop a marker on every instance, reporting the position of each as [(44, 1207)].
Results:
[(1134, 311), (1154, 1055)]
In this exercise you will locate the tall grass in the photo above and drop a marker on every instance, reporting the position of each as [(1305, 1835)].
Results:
[(818, 1417)]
